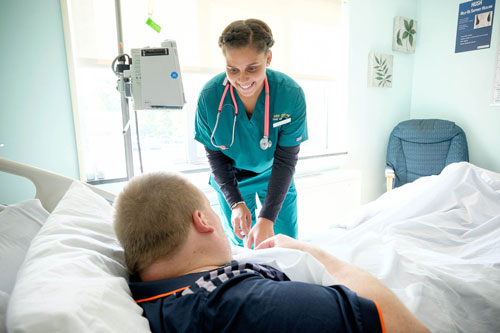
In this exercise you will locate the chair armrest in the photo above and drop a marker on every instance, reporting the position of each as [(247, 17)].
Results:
[(389, 176)]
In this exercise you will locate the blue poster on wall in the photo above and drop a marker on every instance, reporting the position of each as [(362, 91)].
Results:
[(475, 20)]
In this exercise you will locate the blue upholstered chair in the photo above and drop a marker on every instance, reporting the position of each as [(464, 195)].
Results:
[(423, 147)]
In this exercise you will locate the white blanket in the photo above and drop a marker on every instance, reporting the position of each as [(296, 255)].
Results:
[(436, 244)]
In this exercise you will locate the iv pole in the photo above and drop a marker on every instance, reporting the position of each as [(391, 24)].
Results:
[(127, 135)]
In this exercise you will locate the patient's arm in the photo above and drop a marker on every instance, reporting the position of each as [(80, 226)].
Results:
[(397, 317)]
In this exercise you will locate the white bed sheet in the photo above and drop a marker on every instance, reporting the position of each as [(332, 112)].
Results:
[(436, 244)]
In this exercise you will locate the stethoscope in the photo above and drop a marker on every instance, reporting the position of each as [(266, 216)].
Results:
[(265, 143)]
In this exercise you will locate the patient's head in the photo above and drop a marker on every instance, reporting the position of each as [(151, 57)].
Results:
[(153, 216)]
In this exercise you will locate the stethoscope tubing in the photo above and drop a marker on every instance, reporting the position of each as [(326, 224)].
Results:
[(264, 142)]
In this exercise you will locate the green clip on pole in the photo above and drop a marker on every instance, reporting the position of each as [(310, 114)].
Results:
[(153, 25)]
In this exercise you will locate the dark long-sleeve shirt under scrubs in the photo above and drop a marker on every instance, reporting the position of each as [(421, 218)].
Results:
[(285, 160)]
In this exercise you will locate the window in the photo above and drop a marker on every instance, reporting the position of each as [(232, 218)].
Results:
[(311, 47)]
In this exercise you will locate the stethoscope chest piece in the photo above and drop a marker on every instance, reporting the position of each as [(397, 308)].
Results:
[(265, 143)]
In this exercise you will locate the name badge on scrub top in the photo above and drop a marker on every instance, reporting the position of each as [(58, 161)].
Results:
[(282, 122)]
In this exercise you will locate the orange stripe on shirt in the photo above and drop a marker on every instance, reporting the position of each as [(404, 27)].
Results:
[(382, 324), (161, 295)]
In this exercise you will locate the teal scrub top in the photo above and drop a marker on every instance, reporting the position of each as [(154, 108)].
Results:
[(287, 101)]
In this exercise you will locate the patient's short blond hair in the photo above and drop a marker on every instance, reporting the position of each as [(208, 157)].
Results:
[(153, 216)]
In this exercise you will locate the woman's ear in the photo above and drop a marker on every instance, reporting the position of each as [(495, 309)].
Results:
[(269, 57), (200, 223)]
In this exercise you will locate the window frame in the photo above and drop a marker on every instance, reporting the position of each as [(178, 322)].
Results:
[(198, 164)]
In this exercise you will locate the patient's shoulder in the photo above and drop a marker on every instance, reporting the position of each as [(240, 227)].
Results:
[(291, 306)]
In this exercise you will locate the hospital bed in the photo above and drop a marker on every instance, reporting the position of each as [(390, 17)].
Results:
[(434, 242)]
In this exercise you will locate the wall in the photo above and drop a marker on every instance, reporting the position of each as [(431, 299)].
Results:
[(432, 83), (375, 111), (36, 123), (457, 86), (36, 120)]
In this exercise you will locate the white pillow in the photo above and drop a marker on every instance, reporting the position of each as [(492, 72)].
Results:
[(73, 278), (19, 223)]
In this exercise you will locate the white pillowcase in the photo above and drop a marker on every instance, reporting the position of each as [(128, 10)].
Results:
[(73, 278), (19, 223)]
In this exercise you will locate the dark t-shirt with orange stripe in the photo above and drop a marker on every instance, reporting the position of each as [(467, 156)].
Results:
[(245, 297)]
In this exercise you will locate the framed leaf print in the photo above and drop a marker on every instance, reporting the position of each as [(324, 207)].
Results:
[(380, 70), (405, 34)]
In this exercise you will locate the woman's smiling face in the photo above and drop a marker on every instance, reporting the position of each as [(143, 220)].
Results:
[(246, 69)]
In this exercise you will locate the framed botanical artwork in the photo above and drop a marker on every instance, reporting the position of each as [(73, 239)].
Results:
[(380, 70), (405, 34)]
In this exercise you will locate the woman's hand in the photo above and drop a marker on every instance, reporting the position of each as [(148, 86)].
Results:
[(241, 220), (261, 231)]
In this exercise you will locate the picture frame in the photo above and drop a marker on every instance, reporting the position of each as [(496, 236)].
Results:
[(404, 34), (380, 68)]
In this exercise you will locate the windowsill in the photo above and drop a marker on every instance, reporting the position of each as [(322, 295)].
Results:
[(306, 164), (199, 174)]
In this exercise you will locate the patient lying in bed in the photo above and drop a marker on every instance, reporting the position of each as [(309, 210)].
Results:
[(185, 279)]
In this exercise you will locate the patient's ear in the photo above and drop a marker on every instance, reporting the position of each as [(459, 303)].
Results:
[(200, 222)]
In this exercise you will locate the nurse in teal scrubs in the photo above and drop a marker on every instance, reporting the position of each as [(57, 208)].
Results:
[(251, 120)]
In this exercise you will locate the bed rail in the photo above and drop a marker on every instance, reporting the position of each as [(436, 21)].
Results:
[(50, 187)]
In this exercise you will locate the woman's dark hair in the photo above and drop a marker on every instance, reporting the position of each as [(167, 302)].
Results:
[(251, 32)]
